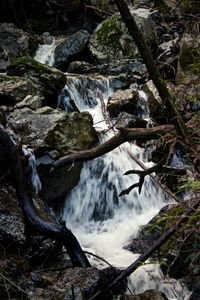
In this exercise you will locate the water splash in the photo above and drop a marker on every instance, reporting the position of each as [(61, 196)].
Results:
[(35, 179), (102, 221), (45, 53)]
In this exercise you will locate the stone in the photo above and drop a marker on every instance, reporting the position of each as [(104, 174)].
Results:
[(147, 295), (32, 102), (70, 47), (47, 80), (111, 41), (48, 129), (14, 43), (156, 109), (14, 89), (123, 100)]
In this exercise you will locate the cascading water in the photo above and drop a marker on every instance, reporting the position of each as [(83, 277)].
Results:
[(102, 221), (45, 53)]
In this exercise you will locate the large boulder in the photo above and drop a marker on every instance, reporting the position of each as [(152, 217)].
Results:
[(14, 42), (14, 89), (70, 47), (123, 101), (47, 80), (53, 133), (112, 42)]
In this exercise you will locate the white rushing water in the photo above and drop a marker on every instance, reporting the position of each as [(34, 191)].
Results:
[(45, 53), (102, 221)]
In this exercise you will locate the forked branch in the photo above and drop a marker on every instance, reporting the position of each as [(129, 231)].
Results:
[(142, 174), (124, 135)]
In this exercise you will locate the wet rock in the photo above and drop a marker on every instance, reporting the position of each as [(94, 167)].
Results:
[(156, 110), (123, 100), (32, 102), (70, 47), (128, 120), (178, 253), (47, 80), (54, 128), (81, 67), (148, 295), (14, 43), (14, 89), (48, 129), (11, 222), (111, 42), (132, 68), (195, 294)]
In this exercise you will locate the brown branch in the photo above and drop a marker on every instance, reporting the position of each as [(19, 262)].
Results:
[(142, 174), (51, 229), (129, 270), (124, 135), (168, 100)]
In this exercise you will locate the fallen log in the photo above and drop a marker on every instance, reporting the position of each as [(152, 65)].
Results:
[(52, 229), (124, 135)]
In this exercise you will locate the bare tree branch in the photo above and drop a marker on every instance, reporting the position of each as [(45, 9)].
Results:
[(124, 135), (50, 229), (142, 174)]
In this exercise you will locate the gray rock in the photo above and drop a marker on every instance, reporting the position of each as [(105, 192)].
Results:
[(14, 43), (15, 89), (47, 80), (111, 42), (123, 100), (48, 128), (70, 47)]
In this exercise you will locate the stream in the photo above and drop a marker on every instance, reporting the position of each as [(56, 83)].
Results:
[(102, 221)]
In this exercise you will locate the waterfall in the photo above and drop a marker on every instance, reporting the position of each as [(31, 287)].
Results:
[(102, 221), (45, 53), (35, 180)]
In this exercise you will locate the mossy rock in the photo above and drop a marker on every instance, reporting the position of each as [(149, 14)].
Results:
[(73, 131), (47, 80), (180, 254), (14, 89), (112, 42)]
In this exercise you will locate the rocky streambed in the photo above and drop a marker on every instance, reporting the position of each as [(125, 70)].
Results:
[(33, 97)]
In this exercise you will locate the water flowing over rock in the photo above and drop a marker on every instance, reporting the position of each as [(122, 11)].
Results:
[(112, 42), (14, 42), (70, 47)]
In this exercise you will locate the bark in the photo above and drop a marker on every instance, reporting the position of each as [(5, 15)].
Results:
[(124, 135), (168, 100), (128, 271), (51, 229)]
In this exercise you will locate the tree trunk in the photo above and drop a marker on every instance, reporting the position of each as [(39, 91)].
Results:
[(50, 229), (167, 99)]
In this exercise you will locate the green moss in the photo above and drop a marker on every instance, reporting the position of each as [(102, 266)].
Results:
[(110, 32), (23, 64), (190, 59), (10, 78)]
